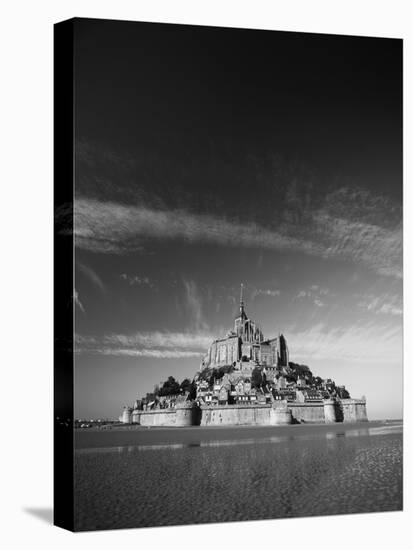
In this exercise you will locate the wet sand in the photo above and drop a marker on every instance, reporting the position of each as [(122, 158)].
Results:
[(137, 435), (144, 477)]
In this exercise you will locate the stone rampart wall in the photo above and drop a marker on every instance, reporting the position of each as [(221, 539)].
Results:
[(165, 417), (235, 415), (179, 416), (245, 415)]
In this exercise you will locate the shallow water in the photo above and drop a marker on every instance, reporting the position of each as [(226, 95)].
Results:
[(342, 471)]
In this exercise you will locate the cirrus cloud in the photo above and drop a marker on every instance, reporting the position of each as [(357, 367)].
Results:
[(156, 344), (109, 227)]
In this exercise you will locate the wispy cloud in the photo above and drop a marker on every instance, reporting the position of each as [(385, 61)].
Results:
[(384, 304), (100, 226), (91, 275), (313, 295), (108, 227), (154, 353), (133, 280), (193, 305), (376, 247), (265, 292), (174, 340), (322, 291), (77, 301), (357, 342), (157, 344)]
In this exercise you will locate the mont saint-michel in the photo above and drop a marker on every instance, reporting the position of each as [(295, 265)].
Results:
[(246, 378)]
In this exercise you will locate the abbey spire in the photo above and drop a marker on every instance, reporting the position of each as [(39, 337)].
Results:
[(242, 313)]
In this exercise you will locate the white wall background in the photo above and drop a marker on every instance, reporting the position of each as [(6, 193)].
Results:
[(26, 216)]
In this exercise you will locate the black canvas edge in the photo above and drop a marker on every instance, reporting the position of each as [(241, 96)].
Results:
[(63, 275), (242, 28)]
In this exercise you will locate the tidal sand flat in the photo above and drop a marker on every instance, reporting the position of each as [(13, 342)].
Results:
[(155, 477)]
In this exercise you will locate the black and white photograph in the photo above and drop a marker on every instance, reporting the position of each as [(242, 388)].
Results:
[(237, 279), (206, 267)]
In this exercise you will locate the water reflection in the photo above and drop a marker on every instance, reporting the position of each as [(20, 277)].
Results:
[(333, 435), (383, 429), (387, 428)]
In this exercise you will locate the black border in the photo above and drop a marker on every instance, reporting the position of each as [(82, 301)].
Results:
[(63, 274)]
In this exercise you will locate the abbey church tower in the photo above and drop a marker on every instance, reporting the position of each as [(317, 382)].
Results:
[(245, 344)]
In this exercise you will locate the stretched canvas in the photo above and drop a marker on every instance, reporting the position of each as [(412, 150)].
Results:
[(228, 274)]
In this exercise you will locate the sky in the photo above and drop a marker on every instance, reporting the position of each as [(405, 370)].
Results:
[(206, 158)]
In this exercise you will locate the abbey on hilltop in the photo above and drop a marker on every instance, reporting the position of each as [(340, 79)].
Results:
[(245, 347), (246, 378)]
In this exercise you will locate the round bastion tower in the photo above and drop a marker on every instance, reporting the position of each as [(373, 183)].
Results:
[(187, 414), (330, 411), (126, 415)]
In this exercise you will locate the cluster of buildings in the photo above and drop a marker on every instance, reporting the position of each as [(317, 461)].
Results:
[(245, 367), (233, 389)]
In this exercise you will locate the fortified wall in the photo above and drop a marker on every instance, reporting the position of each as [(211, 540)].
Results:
[(180, 416), (326, 412), (239, 415)]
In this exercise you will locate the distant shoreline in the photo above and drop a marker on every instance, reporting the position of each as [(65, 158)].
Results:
[(120, 436)]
